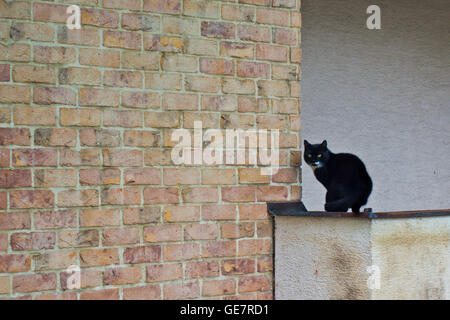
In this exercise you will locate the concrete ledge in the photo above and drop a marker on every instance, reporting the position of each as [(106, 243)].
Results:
[(320, 255)]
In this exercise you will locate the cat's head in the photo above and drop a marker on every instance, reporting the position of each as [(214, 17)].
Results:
[(316, 155)]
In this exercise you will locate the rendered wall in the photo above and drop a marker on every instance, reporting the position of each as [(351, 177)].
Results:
[(382, 95), (86, 117), (327, 258)]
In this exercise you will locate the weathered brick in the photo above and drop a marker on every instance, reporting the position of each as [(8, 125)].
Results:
[(32, 241), (296, 19), (15, 10), (100, 18), (200, 194), (124, 275), (216, 66), (182, 251), (179, 63), (47, 12), (249, 247), (218, 287), (5, 287), (177, 291), (101, 58), (122, 118), (275, 88), (14, 220), (27, 199), (231, 85), (179, 101), (55, 260), (106, 294), (161, 120), (164, 233), (202, 84), (122, 39), (238, 266), (4, 157), (237, 230), (84, 157), (221, 30), (204, 231), (120, 236), (99, 257), (121, 196), (46, 178), (129, 79), (218, 212), (142, 254), (78, 239), (53, 95), (32, 31), (15, 94), (4, 73), (84, 36), (53, 55), (254, 284), (14, 263), (15, 178), (57, 296), (79, 76), (154, 157), (219, 103), (55, 137), (254, 105), (82, 117), (237, 50), (122, 158), (271, 53), (99, 218), (156, 42), (139, 138), (181, 176), (254, 33), (141, 215), (88, 278), (78, 198), (181, 26), (55, 219), (202, 269), (272, 16), (98, 97), (296, 55), (142, 293), (34, 158), (202, 47), (285, 36), (247, 69), (181, 213), (272, 193), (218, 249), (24, 115), (120, 4), (144, 22), (238, 13), (34, 282), (163, 6), (238, 194)]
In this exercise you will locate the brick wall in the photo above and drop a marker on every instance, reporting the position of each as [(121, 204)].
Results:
[(86, 117)]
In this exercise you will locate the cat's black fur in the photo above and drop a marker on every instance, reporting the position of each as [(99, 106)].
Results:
[(344, 176)]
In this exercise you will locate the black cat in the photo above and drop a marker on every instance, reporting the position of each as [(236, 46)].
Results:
[(344, 176)]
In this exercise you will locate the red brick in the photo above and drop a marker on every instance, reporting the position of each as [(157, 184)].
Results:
[(3, 200), (80, 76), (250, 104), (140, 100), (238, 13), (122, 158), (99, 57), (285, 36), (27, 199), (15, 94), (45, 178), (143, 254), (99, 138), (231, 85), (219, 103), (253, 212), (55, 137), (272, 16), (182, 176), (59, 55), (178, 63), (254, 33), (254, 284), (156, 42), (265, 264), (216, 66), (24, 115), (85, 157), (218, 212), (120, 4), (53, 95), (3, 242), (5, 287), (181, 213), (218, 287), (24, 73), (78, 239), (163, 81), (142, 176), (142, 293), (141, 215), (218, 249), (163, 6), (15, 178), (285, 175), (238, 194), (55, 219), (247, 69), (160, 195), (221, 30), (14, 263), (121, 196), (34, 282), (4, 73), (179, 291), (256, 2), (237, 230), (78, 198), (203, 231), (164, 233), (183, 251), (99, 257), (46, 12), (120, 236), (119, 276), (200, 194), (296, 55), (202, 269), (21, 241), (99, 218), (14, 220), (122, 39), (15, 10), (144, 22), (202, 84), (55, 260), (34, 157), (271, 53), (272, 193), (249, 247), (238, 266), (122, 118), (57, 296), (129, 79), (106, 294), (99, 18), (84, 36), (164, 272), (142, 138)]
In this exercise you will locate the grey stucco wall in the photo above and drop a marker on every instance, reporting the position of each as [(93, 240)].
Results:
[(382, 95)]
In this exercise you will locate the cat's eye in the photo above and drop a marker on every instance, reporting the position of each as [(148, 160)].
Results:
[(309, 155), (319, 156)]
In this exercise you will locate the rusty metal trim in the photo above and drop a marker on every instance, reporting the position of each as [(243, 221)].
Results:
[(298, 209)]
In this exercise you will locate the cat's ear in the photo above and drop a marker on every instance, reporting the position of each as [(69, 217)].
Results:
[(324, 144), (306, 143)]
